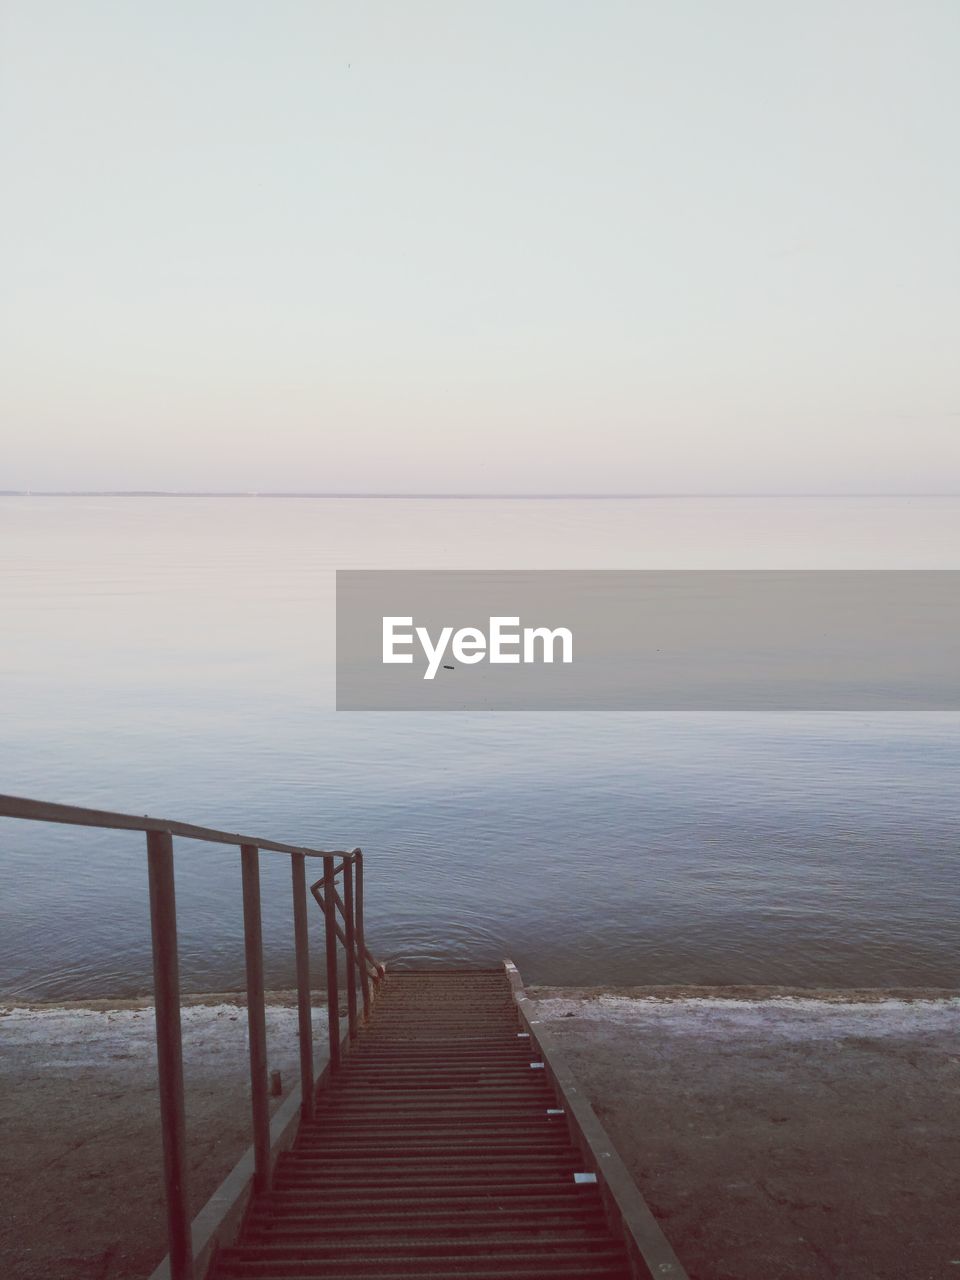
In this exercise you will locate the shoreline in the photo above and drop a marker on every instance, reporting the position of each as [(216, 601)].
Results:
[(659, 994)]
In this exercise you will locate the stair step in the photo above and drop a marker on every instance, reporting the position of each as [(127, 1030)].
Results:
[(359, 1182), (266, 1260), (449, 1268), (463, 1221), (466, 1245)]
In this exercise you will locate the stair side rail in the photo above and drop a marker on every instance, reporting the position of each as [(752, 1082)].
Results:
[(160, 832)]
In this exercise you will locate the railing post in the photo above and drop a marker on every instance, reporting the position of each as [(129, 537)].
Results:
[(351, 946), (166, 995), (305, 1020), (256, 1017), (330, 938), (361, 946)]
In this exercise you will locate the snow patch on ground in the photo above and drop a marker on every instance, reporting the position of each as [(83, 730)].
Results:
[(782, 1018), (77, 1037)]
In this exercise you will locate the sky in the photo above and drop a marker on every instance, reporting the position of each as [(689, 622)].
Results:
[(510, 246)]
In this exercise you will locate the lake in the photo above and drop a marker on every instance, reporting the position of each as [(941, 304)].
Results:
[(174, 656)]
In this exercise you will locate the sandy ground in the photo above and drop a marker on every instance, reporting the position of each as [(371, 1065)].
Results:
[(80, 1160), (783, 1136), (774, 1135)]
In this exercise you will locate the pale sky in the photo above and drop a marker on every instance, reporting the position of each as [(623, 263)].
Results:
[(684, 246)]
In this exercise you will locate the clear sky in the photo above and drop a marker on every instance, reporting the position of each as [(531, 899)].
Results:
[(516, 245)]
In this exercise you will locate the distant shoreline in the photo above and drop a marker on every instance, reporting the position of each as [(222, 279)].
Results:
[(420, 497)]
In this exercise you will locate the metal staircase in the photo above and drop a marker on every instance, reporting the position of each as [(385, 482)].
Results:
[(439, 1150), (442, 1137)]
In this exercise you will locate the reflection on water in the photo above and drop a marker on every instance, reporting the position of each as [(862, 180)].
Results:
[(173, 657)]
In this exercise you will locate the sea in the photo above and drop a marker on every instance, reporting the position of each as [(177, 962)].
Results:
[(173, 656)]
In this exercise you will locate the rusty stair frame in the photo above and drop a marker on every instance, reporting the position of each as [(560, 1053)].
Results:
[(628, 1214), (649, 1253), (221, 1219), (193, 1245)]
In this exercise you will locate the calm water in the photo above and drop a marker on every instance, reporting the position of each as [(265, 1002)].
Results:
[(174, 656)]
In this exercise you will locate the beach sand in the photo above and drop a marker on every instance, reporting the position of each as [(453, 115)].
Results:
[(782, 1136), (775, 1134)]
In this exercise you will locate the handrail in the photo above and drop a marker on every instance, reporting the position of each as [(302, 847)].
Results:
[(75, 816), (360, 959), (166, 979), (364, 953)]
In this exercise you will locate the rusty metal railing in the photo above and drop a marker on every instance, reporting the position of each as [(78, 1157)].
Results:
[(360, 960), (166, 978)]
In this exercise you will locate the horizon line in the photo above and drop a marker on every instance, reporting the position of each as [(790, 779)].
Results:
[(374, 494)]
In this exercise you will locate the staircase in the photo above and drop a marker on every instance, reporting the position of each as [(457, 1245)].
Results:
[(438, 1149), (439, 1145)]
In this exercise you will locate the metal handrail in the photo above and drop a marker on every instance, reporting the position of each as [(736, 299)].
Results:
[(166, 979), (76, 816), (359, 957), (364, 955)]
